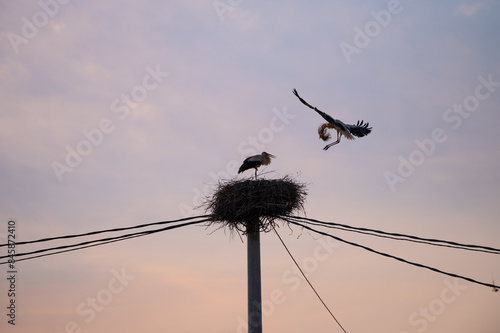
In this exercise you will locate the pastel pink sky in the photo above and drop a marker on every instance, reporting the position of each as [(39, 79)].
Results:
[(208, 85)]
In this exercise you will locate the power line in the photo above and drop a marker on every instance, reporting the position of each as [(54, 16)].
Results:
[(105, 231), (397, 236), (384, 235), (291, 219), (97, 242), (75, 248), (309, 282), (396, 258)]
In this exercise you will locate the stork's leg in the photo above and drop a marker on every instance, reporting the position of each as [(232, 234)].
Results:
[(255, 173), (333, 143)]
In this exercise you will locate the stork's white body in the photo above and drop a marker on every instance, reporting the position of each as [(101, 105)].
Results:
[(349, 131), (255, 162)]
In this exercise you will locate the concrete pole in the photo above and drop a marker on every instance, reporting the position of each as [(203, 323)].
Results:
[(254, 283)]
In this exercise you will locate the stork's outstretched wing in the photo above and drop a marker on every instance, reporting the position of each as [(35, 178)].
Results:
[(360, 129), (328, 118)]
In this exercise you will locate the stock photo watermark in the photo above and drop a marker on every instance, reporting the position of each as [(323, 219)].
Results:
[(430, 312), (88, 309), (222, 7), (12, 272), (453, 117), (121, 107), (250, 146), (30, 27), (293, 279), (363, 36)]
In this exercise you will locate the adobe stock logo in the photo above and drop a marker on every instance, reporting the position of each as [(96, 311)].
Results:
[(30, 28), (293, 280), (88, 310), (429, 314), (454, 117), (250, 146), (121, 107), (372, 29), (222, 7)]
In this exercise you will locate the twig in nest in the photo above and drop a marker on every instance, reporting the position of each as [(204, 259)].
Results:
[(237, 203)]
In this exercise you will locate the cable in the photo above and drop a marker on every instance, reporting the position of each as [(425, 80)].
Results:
[(305, 277), (388, 237), (291, 219), (105, 239), (383, 235), (398, 236), (109, 230), (65, 248), (396, 258), (75, 249)]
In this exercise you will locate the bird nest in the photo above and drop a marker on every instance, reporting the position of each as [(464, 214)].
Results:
[(241, 204)]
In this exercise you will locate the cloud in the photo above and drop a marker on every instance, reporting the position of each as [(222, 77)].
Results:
[(470, 9)]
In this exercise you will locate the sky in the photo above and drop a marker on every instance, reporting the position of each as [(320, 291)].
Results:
[(119, 113)]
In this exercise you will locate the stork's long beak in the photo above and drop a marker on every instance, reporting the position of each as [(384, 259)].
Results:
[(271, 155)]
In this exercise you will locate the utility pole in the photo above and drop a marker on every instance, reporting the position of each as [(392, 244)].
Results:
[(251, 206), (254, 279)]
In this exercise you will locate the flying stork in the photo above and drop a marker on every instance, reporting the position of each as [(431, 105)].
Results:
[(256, 161), (349, 131)]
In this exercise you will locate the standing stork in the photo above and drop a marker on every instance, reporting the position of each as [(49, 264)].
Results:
[(349, 131), (256, 161)]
